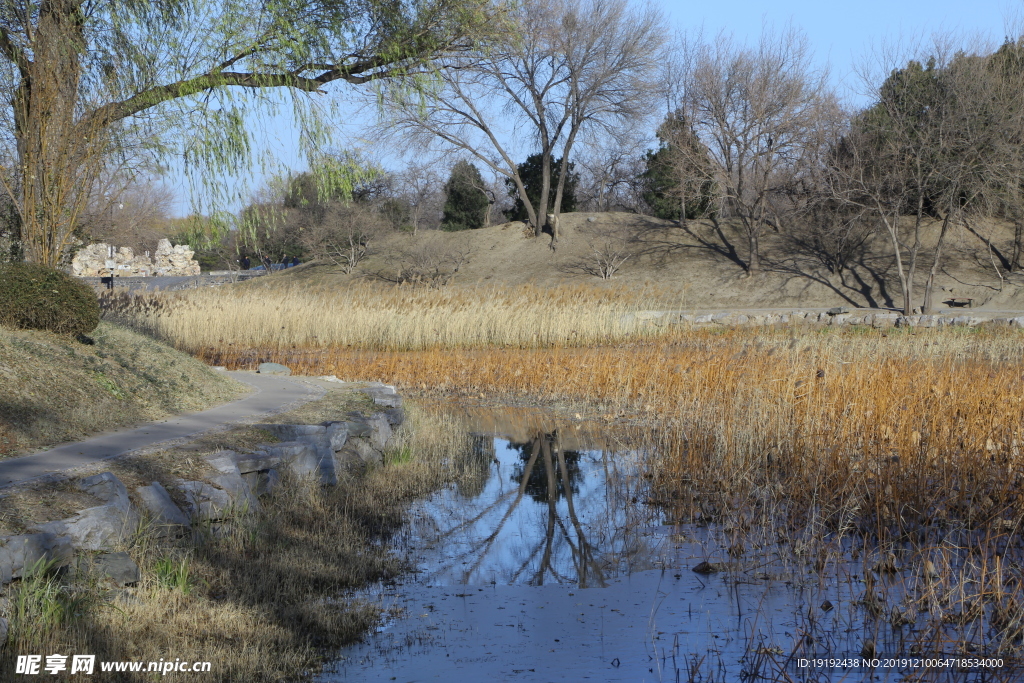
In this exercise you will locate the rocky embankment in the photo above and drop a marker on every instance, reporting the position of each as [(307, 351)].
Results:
[(87, 543)]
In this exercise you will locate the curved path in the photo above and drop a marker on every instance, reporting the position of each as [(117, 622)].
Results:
[(273, 394)]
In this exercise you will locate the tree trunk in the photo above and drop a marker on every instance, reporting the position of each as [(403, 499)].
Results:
[(1018, 245), (531, 214), (682, 204), (55, 156), (545, 190), (926, 306), (563, 172), (754, 260)]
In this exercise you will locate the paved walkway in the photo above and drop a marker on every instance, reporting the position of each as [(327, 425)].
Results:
[(273, 394)]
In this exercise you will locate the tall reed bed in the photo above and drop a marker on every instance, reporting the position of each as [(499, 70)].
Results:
[(272, 316)]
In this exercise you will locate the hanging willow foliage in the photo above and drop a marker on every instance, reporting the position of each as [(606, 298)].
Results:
[(89, 84)]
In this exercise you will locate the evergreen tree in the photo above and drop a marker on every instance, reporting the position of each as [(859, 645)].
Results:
[(678, 174), (531, 171), (465, 207)]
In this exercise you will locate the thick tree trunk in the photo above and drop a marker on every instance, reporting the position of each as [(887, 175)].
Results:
[(754, 259), (54, 154)]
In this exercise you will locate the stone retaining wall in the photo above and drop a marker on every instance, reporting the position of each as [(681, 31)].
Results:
[(833, 317), (173, 283)]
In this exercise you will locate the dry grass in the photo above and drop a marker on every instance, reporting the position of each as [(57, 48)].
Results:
[(261, 597), (54, 389), (269, 315)]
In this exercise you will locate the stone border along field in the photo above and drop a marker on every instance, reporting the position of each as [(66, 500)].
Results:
[(87, 541), (838, 317)]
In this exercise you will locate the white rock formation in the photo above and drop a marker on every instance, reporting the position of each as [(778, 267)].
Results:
[(92, 261)]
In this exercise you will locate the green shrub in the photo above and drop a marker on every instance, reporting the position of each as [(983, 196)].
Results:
[(40, 298)]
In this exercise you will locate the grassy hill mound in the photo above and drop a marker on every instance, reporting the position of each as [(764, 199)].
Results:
[(699, 267), (54, 389)]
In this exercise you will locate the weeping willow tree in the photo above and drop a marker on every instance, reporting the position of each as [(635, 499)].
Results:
[(95, 84)]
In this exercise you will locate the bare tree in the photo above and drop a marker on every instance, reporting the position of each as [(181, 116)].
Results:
[(133, 214), (610, 248), (345, 236), (420, 186), (575, 67), (610, 175), (754, 108), (929, 148)]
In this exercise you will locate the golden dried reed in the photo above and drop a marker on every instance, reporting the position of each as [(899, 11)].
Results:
[(273, 316)]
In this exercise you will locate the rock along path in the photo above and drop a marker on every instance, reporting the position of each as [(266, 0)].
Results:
[(273, 394)]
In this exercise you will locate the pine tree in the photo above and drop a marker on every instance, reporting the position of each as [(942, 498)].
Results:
[(678, 175), (465, 207)]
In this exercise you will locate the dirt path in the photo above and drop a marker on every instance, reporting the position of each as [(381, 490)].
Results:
[(273, 394)]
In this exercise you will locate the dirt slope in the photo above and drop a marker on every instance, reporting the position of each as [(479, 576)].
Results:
[(697, 268)]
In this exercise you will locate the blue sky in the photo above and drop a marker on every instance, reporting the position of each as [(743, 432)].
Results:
[(841, 34)]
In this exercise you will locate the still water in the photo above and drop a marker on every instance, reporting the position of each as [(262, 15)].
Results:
[(549, 566)]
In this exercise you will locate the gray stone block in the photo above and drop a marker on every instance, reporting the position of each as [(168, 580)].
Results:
[(96, 528), (287, 451), (229, 478), (358, 429), (117, 567), (357, 456), (261, 483), (882, 320), (107, 488), (273, 369), (336, 434), (840, 319), (385, 396), (325, 466), (296, 432), (19, 552), (382, 433), (167, 517), (316, 462), (207, 502), (256, 462)]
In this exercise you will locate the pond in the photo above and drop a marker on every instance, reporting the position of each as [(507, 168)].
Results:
[(550, 565)]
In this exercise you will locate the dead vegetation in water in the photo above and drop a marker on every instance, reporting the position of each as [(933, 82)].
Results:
[(261, 596)]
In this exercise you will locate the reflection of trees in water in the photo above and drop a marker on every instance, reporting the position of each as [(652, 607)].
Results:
[(543, 472), (550, 480), (537, 480)]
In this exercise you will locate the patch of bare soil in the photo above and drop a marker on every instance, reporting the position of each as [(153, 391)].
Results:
[(697, 267)]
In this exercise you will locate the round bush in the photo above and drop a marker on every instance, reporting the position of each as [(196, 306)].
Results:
[(40, 298)]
